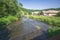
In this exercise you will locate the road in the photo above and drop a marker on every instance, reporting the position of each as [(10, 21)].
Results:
[(32, 26)]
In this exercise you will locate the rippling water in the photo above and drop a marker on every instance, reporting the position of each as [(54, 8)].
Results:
[(26, 29)]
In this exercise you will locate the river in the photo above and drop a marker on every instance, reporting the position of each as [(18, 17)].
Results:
[(30, 30)]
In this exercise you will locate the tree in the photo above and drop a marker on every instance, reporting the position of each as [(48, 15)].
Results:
[(8, 7), (58, 14), (20, 4)]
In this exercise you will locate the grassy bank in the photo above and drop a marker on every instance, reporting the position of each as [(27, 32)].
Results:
[(54, 22), (6, 21)]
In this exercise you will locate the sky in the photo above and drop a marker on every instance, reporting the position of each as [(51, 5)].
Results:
[(40, 4)]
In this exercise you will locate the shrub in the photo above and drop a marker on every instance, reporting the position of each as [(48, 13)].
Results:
[(3, 23), (52, 31), (12, 18), (58, 14), (6, 20)]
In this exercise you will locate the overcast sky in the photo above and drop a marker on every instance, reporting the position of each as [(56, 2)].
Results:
[(40, 4)]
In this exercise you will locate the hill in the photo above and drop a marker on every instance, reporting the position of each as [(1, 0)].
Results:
[(53, 9)]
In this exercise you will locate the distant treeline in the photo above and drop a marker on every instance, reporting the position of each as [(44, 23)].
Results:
[(53, 9)]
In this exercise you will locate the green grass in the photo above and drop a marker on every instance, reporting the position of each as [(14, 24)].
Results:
[(6, 21), (53, 21), (53, 31)]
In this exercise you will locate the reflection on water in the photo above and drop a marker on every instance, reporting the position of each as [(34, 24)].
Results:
[(26, 29), (15, 29), (22, 30), (4, 34)]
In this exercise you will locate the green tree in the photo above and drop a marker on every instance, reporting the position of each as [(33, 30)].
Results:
[(58, 14), (20, 4), (8, 7)]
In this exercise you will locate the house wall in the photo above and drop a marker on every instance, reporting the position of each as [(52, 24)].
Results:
[(52, 14), (49, 14), (35, 13), (46, 14)]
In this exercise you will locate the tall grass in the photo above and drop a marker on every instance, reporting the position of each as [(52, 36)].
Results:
[(6, 20), (53, 21), (53, 31)]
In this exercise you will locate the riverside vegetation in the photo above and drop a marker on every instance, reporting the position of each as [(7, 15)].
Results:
[(9, 12), (54, 22)]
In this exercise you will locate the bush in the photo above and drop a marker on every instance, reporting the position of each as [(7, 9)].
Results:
[(12, 18), (4, 21), (58, 14), (7, 20), (52, 31)]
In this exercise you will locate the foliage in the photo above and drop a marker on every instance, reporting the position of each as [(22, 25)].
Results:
[(53, 21), (53, 31), (58, 14), (20, 4), (9, 12), (53, 9), (28, 11), (6, 21), (8, 7)]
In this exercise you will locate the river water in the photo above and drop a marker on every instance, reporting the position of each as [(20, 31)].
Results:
[(28, 29)]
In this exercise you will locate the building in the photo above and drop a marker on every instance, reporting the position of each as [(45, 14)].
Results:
[(50, 12), (46, 13), (36, 13)]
